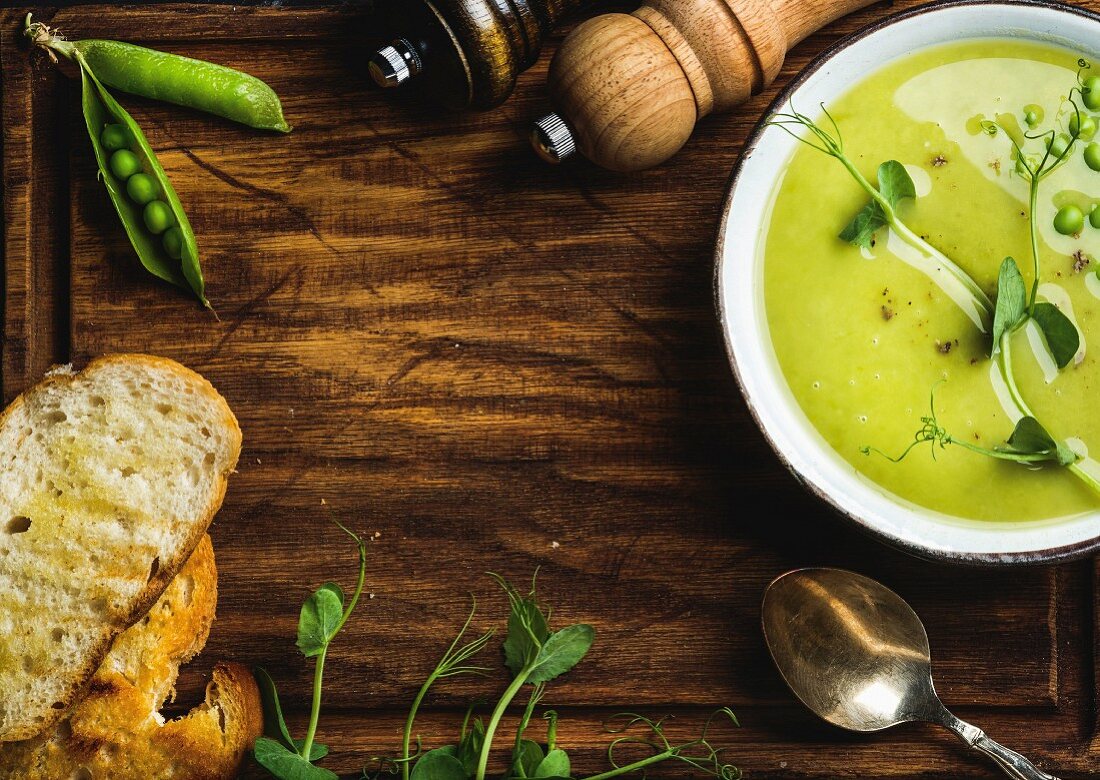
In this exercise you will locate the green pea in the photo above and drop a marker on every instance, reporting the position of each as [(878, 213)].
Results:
[(1059, 146), (125, 164), (1069, 220), (1090, 93), (1092, 156), (158, 217), (173, 243), (142, 188), (1083, 126), (1094, 219), (115, 137), (1033, 114)]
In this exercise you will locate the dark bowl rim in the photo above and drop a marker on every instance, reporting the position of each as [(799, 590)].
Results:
[(1033, 557)]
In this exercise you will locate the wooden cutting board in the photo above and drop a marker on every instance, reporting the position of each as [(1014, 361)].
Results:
[(496, 365)]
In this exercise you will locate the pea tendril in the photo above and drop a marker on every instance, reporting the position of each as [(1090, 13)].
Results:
[(534, 654), (1029, 443), (894, 186)]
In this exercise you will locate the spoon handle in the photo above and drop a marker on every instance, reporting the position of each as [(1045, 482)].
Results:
[(1010, 761), (1013, 764)]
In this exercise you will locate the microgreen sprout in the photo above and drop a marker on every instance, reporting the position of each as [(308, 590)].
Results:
[(894, 186), (453, 663), (1036, 168), (535, 655), (1029, 442), (699, 753), (323, 615)]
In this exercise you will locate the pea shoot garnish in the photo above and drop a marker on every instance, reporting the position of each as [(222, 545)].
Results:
[(894, 185), (534, 655), (1038, 154), (323, 614), (1029, 442)]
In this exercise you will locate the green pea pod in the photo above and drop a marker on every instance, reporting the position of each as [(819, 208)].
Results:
[(185, 81), (171, 78), (101, 109)]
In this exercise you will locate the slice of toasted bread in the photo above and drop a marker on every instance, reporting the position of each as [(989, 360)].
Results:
[(116, 733), (108, 480)]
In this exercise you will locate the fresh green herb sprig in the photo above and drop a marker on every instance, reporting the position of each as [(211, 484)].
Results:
[(452, 664), (698, 753), (1036, 168), (1012, 313), (534, 655), (323, 614), (894, 186), (1030, 442)]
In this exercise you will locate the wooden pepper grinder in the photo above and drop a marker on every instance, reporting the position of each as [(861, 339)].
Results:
[(629, 88), (466, 53)]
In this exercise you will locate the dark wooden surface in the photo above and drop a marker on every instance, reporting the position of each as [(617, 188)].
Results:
[(497, 365)]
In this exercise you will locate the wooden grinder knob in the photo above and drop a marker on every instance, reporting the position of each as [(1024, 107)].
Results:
[(629, 88), (465, 53)]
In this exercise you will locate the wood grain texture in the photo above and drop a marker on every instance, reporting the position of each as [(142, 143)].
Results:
[(427, 333), (631, 87)]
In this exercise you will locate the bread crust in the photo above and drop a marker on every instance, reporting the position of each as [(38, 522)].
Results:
[(62, 376), (114, 732)]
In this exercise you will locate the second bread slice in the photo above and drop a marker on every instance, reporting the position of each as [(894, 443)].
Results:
[(108, 480)]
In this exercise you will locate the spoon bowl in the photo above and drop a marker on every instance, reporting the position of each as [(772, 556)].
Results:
[(857, 655)]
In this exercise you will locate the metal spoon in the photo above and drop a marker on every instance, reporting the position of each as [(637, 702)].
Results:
[(857, 655)]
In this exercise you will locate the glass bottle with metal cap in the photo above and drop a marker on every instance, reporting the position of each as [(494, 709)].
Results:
[(464, 53)]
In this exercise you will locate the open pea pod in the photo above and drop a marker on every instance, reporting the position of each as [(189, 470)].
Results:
[(100, 109)]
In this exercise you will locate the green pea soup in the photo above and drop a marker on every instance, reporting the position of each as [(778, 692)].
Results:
[(863, 338)]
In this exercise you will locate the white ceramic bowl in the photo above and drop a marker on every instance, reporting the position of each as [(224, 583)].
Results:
[(741, 300)]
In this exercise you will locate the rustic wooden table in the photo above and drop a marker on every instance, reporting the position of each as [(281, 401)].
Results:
[(498, 366)]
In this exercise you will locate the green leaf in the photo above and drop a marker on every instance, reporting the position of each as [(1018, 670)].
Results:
[(895, 185), (469, 749), (101, 109), (1011, 301), (439, 764), (527, 631), (337, 590), (1061, 334), (274, 723), (1066, 456), (286, 765), (526, 759), (556, 764), (561, 652), (1031, 438), (319, 621), (861, 230)]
